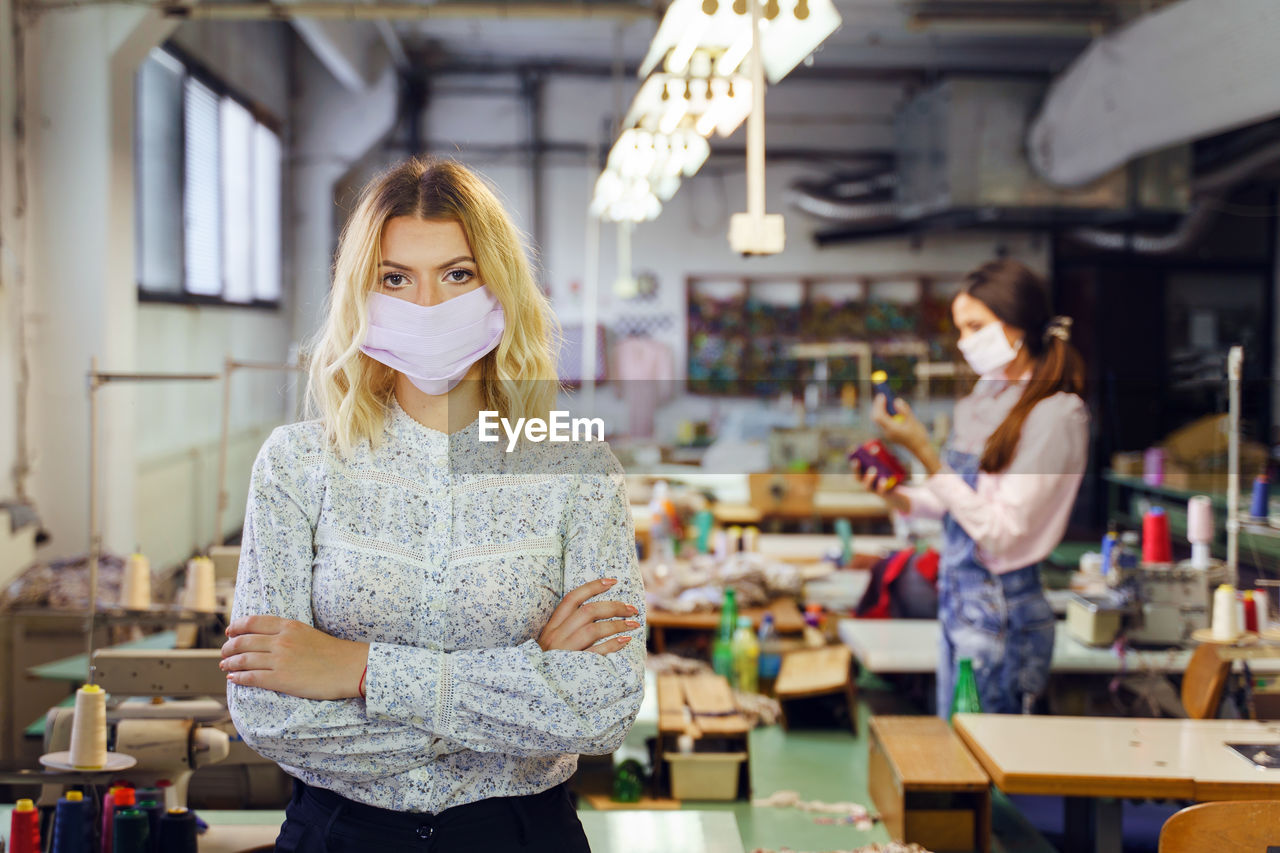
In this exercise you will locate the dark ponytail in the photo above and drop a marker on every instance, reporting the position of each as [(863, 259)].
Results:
[(1020, 299)]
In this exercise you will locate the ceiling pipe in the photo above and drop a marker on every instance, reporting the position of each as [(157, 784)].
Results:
[(854, 198), (1209, 193), (1191, 70)]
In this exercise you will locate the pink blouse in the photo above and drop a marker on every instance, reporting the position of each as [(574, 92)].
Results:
[(1018, 516)]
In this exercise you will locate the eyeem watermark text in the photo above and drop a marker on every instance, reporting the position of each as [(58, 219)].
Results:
[(559, 428)]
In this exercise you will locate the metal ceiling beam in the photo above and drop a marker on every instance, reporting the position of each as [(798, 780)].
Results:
[(405, 11)]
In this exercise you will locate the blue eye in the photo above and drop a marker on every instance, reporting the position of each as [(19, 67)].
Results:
[(459, 276), (395, 280)]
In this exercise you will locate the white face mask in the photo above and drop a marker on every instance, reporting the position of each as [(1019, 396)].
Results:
[(987, 350), (434, 345)]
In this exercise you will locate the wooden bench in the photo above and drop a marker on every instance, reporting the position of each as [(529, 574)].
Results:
[(703, 707), (811, 673), (929, 790)]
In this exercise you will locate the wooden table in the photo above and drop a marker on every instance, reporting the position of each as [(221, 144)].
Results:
[(1086, 759), (787, 619), (911, 646), (813, 547), (929, 789)]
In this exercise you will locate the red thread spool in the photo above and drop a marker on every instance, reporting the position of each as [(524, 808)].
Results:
[(1157, 546), (24, 828)]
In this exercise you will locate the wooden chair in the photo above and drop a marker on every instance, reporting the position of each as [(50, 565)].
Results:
[(1241, 827), (1204, 681)]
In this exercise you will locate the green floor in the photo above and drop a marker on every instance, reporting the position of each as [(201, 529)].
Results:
[(831, 765)]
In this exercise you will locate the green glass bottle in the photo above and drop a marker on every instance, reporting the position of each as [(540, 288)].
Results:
[(628, 781), (722, 650), (965, 699)]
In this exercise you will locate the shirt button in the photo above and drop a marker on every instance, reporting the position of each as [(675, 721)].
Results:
[(426, 831), (440, 461)]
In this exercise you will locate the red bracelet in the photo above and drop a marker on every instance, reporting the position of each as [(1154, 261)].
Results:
[(360, 688)]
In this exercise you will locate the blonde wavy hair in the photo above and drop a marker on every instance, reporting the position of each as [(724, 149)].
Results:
[(351, 392)]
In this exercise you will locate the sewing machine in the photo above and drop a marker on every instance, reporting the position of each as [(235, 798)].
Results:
[(179, 727), (1157, 605)]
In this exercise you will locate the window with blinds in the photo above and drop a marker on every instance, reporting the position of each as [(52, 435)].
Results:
[(208, 189)]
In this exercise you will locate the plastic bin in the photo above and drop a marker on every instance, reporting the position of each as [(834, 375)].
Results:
[(705, 775)]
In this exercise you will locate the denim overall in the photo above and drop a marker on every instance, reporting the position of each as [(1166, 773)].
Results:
[(1002, 622)]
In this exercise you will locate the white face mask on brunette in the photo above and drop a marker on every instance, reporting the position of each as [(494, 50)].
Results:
[(988, 350)]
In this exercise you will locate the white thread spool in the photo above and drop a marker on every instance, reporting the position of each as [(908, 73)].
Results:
[(200, 594), (735, 539), (721, 545), (89, 729), (135, 592), (1200, 530), (751, 539), (1226, 614)]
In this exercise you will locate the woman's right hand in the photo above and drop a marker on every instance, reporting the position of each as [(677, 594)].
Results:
[(576, 626), (878, 485)]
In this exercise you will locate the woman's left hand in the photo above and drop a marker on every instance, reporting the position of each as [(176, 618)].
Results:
[(903, 428), (290, 657)]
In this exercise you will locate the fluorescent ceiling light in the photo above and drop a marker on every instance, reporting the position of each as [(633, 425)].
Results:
[(798, 29)]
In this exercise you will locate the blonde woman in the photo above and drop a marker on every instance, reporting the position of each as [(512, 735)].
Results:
[(428, 630)]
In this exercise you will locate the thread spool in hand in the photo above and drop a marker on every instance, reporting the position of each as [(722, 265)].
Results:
[(89, 729), (177, 832), (135, 593), (200, 594), (1226, 614), (880, 385), (1157, 546)]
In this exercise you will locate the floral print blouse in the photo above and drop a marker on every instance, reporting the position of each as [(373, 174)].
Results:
[(448, 555)]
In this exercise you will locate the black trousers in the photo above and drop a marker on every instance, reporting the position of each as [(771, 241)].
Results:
[(320, 821)]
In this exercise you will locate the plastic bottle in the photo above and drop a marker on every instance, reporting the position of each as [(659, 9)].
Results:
[(965, 698), (770, 649), (746, 657), (814, 638), (844, 529), (702, 524), (722, 651)]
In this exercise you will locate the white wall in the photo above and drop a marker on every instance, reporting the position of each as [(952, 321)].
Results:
[(78, 256), (12, 243), (178, 424), (76, 247)]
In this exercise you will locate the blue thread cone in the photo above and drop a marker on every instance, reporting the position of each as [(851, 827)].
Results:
[(1260, 506)]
